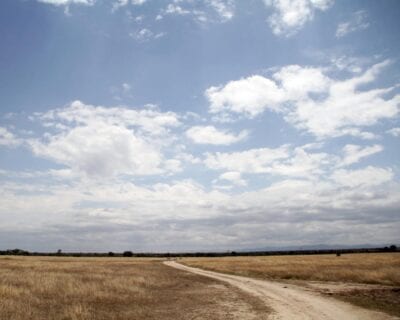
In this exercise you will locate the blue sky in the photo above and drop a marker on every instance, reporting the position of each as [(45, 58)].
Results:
[(198, 125)]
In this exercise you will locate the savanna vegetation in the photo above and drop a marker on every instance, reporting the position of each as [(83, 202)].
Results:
[(379, 268), (60, 288), (381, 271)]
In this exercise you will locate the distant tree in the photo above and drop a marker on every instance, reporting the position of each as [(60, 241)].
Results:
[(393, 248), (111, 254), (18, 252), (59, 251), (127, 254)]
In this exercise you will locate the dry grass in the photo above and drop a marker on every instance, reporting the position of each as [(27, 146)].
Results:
[(379, 268), (33, 288), (382, 299)]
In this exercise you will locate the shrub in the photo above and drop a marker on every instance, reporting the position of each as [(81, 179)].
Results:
[(127, 254)]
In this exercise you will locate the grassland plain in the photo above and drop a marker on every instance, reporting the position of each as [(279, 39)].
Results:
[(33, 288), (369, 280)]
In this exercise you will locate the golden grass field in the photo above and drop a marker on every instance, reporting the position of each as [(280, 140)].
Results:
[(57, 288), (379, 269), (374, 268)]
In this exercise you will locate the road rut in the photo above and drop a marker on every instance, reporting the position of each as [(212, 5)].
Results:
[(291, 302)]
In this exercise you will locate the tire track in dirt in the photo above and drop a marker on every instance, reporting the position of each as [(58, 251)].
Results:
[(291, 302)]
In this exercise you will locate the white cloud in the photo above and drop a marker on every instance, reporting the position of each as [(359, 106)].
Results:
[(285, 161), (354, 153), (233, 177), (224, 8), (101, 150), (109, 212), (351, 64), (175, 9), (346, 109), (301, 163), (218, 11), (68, 2), (298, 82), (249, 161), (119, 4), (250, 96), (310, 100), (123, 3), (394, 132), (98, 141), (148, 121), (356, 23), (211, 135), (291, 15), (366, 177), (145, 34), (7, 138), (255, 94), (138, 2)]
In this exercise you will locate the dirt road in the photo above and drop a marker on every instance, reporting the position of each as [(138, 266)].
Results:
[(289, 301)]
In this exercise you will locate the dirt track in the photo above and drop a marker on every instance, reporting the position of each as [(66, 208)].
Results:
[(290, 301)]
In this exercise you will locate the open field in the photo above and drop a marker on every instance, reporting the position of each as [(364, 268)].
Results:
[(291, 301), (33, 288), (378, 273), (379, 268), (60, 288)]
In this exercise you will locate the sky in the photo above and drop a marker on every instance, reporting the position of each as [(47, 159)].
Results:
[(187, 125)]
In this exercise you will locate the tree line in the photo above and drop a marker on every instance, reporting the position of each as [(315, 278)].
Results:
[(20, 252)]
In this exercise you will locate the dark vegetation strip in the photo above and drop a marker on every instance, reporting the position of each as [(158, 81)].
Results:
[(19, 252)]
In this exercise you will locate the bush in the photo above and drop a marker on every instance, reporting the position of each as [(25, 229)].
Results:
[(127, 254)]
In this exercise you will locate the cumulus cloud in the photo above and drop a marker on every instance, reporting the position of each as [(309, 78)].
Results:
[(101, 150), (233, 177), (255, 94), (310, 100), (250, 96), (283, 161), (99, 141), (366, 177), (356, 23), (346, 109), (212, 135), (289, 16), (158, 217), (248, 161), (299, 82), (148, 120)]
